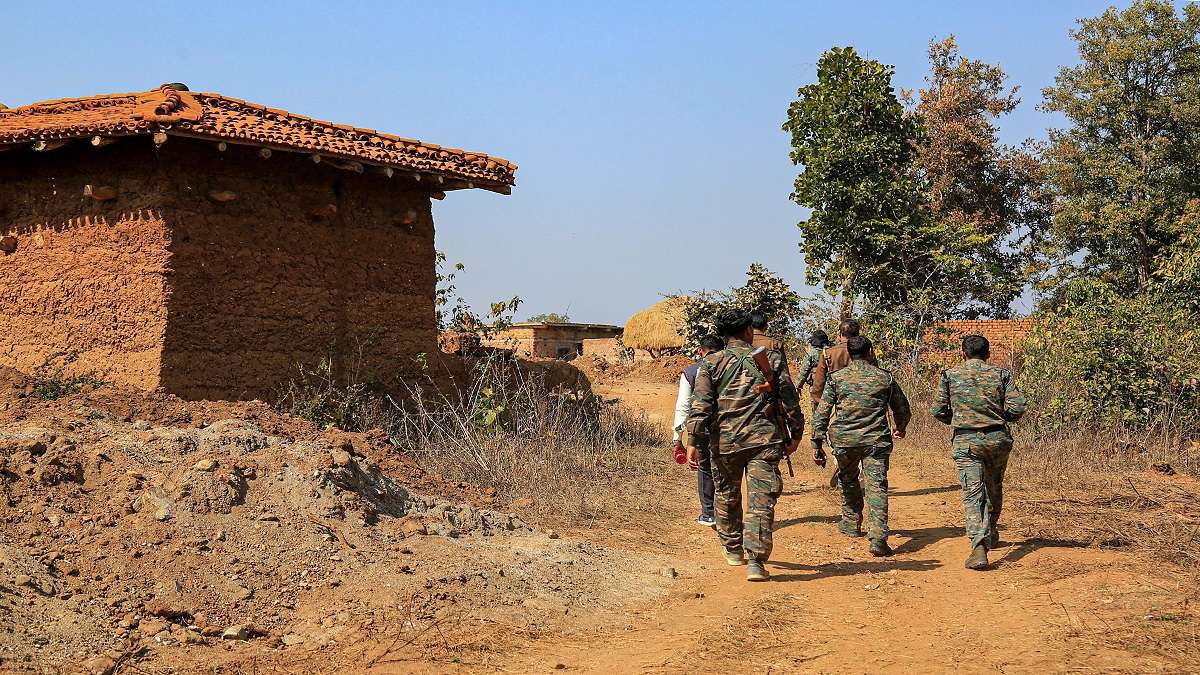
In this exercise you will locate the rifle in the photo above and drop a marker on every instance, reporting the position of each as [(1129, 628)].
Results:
[(774, 410)]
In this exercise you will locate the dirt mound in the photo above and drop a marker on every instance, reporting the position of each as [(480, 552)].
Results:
[(665, 370), (130, 519)]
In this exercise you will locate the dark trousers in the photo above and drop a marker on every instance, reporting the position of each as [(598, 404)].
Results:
[(704, 483)]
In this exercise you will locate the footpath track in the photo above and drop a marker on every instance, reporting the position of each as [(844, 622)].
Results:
[(830, 607)]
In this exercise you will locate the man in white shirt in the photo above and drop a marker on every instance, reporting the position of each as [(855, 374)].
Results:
[(683, 406)]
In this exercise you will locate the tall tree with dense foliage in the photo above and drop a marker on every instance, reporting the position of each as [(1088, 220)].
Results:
[(987, 196), (1125, 168), (856, 145)]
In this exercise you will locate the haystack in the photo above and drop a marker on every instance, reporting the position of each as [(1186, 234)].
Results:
[(658, 328)]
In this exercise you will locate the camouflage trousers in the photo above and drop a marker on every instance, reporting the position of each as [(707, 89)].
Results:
[(981, 458), (763, 485), (875, 463)]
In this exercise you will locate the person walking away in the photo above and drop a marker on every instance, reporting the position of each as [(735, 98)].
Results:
[(818, 342), (683, 405), (857, 399), (836, 357), (732, 415), (763, 339), (979, 400), (832, 360)]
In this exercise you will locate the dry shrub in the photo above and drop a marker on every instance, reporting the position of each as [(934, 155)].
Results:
[(1087, 488), (573, 453)]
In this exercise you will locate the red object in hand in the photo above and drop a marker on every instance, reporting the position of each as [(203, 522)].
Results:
[(680, 455)]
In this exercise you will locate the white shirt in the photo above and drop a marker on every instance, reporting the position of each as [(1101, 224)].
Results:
[(683, 406)]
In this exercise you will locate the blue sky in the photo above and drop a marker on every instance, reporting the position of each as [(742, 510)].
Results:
[(647, 134)]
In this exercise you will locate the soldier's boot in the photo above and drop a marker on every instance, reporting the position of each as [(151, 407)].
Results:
[(850, 529), (833, 479), (879, 548), (735, 558), (994, 539), (978, 558), (755, 571)]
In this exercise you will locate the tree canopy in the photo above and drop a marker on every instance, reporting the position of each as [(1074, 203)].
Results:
[(1125, 168)]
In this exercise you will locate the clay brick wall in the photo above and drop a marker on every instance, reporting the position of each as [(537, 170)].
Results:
[(260, 284), (163, 287), (1005, 336), (546, 341), (86, 277), (608, 349)]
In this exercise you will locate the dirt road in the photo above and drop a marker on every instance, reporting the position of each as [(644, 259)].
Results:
[(1045, 606)]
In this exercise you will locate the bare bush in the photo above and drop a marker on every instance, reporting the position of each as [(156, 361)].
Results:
[(572, 453), (564, 449)]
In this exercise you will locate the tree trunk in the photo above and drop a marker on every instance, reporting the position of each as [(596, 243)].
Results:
[(847, 311)]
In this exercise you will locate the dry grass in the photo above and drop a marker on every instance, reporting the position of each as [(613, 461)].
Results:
[(578, 457), (656, 328), (1099, 490), (1104, 489)]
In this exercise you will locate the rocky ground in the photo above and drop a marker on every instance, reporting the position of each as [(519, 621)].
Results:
[(144, 534), (139, 528)]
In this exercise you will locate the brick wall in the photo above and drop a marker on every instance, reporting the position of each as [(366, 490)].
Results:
[(548, 341), (1005, 336)]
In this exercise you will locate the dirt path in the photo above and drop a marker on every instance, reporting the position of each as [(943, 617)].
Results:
[(830, 607)]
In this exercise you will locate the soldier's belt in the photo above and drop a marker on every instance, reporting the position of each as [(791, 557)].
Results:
[(982, 430)]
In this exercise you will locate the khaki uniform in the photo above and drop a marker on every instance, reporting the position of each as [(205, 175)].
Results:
[(834, 359)]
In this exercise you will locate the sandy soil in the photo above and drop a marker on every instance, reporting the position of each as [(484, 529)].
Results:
[(831, 607), (120, 552)]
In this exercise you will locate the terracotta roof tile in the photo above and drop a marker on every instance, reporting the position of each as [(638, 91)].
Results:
[(226, 118)]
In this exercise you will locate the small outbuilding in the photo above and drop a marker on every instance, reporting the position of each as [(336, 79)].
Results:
[(551, 340), (203, 245)]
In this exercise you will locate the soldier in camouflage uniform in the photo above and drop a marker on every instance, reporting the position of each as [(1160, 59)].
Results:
[(861, 395), (817, 342), (726, 401), (978, 400)]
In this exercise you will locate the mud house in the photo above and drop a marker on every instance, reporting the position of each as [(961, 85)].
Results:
[(204, 245), (551, 340)]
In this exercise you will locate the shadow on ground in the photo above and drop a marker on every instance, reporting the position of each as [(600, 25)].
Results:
[(1022, 549), (920, 538), (925, 491), (845, 569), (788, 522)]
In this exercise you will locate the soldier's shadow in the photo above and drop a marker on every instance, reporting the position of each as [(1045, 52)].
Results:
[(924, 491), (780, 524), (846, 569), (920, 538)]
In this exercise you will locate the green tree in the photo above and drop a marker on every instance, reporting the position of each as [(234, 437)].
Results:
[(856, 145), (1124, 169), (763, 291)]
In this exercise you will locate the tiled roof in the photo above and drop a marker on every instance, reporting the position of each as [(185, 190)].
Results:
[(179, 112)]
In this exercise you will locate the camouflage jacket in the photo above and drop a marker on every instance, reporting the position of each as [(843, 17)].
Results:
[(861, 395), (832, 360), (808, 366), (724, 397), (977, 395)]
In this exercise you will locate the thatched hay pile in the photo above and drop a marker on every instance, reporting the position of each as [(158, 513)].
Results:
[(658, 328)]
